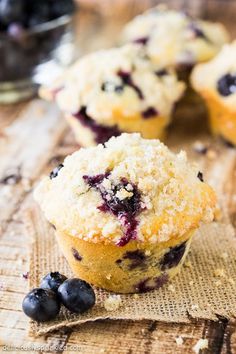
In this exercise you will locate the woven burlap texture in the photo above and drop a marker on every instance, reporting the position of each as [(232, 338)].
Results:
[(205, 288)]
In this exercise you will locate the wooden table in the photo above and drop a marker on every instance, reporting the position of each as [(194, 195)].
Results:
[(33, 139)]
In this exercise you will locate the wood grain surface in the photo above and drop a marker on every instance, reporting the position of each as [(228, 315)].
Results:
[(33, 139)]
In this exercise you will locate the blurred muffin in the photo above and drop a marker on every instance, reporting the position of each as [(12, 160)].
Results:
[(125, 212), (215, 81), (113, 91), (173, 38)]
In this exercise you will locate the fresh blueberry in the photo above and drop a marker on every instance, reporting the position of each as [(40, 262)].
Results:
[(226, 85), (41, 305), (62, 7), (52, 281), (55, 171), (15, 30), (11, 11), (76, 295), (39, 12)]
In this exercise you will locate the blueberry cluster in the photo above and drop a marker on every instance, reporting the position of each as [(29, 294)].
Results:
[(44, 303), (29, 13)]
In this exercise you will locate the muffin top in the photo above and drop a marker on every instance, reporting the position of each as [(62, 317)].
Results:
[(173, 38), (117, 83), (128, 189), (218, 77)]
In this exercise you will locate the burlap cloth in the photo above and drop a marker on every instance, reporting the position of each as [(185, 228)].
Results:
[(205, 288)]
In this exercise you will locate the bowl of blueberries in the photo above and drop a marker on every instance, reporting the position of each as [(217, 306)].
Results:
[(31, 33)]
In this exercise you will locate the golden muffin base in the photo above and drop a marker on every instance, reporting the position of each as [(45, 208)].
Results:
[(222, 121), (135, 267), (151, 128)]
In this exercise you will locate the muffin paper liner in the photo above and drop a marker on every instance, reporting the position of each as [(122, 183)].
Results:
[(205, 287)]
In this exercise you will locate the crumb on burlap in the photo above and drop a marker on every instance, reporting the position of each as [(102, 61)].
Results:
[(194, 306), (231, 281), (179, 340), (171, 288), (219, 272), (201, 344), (188, 264), (113, 302), (224, 255)]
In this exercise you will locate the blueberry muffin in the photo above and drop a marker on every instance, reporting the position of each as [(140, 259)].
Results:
[(215, 81), (113, 91), (125, 212), (173, 38)]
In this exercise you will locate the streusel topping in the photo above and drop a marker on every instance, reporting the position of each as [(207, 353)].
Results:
[(128, 189), (118, 83), (173, 38), (218, 76)]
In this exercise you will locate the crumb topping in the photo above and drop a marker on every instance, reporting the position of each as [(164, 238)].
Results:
[(189, 41), (160, 193), (118, 83), (218, 76)]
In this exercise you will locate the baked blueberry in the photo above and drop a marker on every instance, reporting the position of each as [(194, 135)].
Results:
[(152, 283), (55, 171), (161, 72), (52, 281), (41, 305), (137, 259), (197, 31), (226, 85), (112, 87), (141, 40), (76, 254), (173, 256), (102, 132), (127, 80), (125, 209), (76, 295), (200, 176), (149, 112)]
